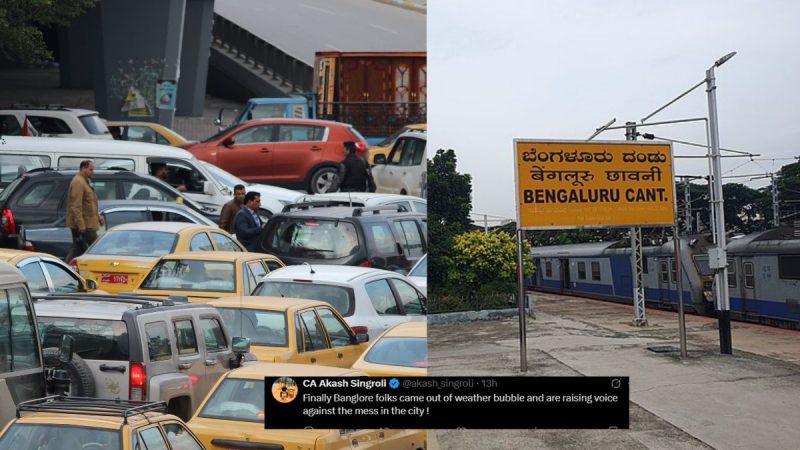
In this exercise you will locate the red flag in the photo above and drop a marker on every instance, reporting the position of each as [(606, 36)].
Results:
[(25, 130)]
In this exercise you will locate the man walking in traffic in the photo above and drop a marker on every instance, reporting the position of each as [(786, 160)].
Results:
[(354, 174), (248, 225), (227, 218), (82, 217)]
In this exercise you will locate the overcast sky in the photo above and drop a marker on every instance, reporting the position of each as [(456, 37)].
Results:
[(559, 69)]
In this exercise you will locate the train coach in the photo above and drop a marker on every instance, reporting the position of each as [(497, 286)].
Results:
[(763, 274)]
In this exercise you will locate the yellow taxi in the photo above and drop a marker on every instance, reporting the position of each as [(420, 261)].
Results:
[(401, 351), (201, 276), (232, 416), (385, 146), (321, 336), (59, 422), (46, 273), (149, 132), (120, 258)]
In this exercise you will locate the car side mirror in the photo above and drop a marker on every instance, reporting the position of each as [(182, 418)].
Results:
[(228, 142), (240, 344), (361, 338), (379, 159), (208, 188), (65, 350), (91, 285)]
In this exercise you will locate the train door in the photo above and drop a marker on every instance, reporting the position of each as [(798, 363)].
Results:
[(564, 266), (747, 283)]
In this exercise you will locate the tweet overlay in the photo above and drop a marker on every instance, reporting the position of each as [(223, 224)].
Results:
[(447, 402)]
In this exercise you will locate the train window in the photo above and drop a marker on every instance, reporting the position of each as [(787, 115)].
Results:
[(645, 268), (731, 273), (664, 274), (789, 266), (548, 269), (595, 271), (749, 275), (581, 270), (674, 270)]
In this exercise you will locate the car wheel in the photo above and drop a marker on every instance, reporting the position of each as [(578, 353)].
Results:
[(81, 378), (322, 180)]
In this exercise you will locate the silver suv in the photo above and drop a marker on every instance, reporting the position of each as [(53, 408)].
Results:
[(54, 121), (137, 348)]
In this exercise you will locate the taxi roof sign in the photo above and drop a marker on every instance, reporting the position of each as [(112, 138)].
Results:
[(593, 184)]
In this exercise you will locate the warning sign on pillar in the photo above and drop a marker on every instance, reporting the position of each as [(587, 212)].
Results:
[(580, 184)]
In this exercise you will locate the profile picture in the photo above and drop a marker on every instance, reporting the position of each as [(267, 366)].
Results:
[(284, 389)]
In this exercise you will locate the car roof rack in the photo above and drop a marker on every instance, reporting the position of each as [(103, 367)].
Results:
[(317, 204), (377, 209), (47, 107), (90, 406), (40, 169), (121, 298)]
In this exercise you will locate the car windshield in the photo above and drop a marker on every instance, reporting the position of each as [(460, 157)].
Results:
[(421, 269), (261, 326), (94, 338), (340, 297), (134, 243), (192, 275), (389, 140), (399, 351), (228, 179), (57, 436), (236, 400), (313, 239), (93, 124), (220, 133)]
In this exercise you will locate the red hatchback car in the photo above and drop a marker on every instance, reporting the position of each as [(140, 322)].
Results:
[(296, 153)]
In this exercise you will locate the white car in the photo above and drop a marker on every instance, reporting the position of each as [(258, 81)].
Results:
[(412, 204), (57, 121), (370, 300), (405, 170), (419, 274), (273, 198)]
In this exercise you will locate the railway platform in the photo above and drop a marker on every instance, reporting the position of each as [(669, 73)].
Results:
[(750, 399)]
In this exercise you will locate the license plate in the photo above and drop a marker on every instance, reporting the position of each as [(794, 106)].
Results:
[(114, 278)]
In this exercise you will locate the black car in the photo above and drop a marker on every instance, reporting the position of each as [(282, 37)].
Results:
[(56, 238), (39, 197), (381, 237)]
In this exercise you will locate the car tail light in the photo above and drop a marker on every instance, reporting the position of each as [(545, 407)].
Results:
[(365, 263), (360, 329), (361, 146), (138, 382), (74, 265), (7, 221), (28, 245)]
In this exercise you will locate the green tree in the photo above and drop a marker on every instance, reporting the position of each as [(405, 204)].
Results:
[(449, 205), (487, 262), (20, 20)]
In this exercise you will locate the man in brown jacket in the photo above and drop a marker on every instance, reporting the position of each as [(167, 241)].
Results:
[(82, 216), (227, 217)]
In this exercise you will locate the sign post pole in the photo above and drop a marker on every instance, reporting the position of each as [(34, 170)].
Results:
[(523, 346)]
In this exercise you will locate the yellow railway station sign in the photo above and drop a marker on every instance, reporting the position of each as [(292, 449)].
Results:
[(594, 184)]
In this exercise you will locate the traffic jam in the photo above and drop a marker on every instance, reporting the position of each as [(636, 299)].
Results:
[(151, 283)]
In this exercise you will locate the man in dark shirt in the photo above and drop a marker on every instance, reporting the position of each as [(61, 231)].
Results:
[(248, 225), (354, 173), (228, 214)]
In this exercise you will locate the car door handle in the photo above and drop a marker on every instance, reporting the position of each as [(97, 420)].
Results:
[(340, 355), (107, 368), (315, 148), (381, 435), (211, 362), (264, 150), (313, 360), (184, 366)]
